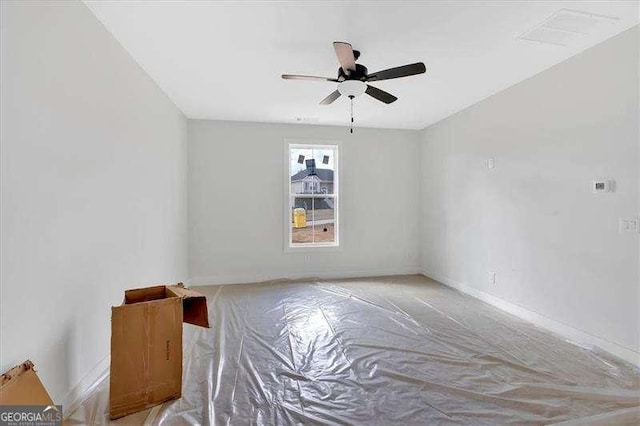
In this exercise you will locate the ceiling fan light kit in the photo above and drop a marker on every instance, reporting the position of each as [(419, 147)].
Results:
[(353, 78), (352, 88)]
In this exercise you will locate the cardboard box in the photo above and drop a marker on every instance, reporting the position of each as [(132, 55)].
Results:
[(21, 386), (146, 345)]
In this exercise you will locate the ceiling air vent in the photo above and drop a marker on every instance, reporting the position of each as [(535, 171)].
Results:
[(564, 26)]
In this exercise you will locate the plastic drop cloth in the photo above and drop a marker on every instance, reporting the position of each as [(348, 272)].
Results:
[(372, 351)]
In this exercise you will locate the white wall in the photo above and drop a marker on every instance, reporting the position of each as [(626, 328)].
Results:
[(234, 167), (533, 220), (93, 187)]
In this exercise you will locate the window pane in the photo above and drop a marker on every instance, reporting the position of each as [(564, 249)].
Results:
[(324, 161), (311, 170), (323, 220), (312, 220), (301, 229), (298, 172)]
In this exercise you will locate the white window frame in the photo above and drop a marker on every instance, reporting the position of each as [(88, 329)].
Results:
[(290, 247)]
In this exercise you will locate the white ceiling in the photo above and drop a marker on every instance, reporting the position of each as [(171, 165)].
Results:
[(223, 60)]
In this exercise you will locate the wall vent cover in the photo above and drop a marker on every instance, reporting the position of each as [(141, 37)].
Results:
[(565, 26), (307, 119)]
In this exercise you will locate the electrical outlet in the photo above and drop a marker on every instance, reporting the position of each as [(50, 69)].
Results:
[(491, 277), (629, 224)]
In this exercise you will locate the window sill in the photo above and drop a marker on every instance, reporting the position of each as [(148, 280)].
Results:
[(313, 248)]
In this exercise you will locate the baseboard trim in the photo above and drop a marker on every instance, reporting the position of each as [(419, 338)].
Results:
[(326, 274), (576, 336), (72, 400)]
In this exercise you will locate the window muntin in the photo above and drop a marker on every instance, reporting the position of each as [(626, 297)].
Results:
[(313, 195)]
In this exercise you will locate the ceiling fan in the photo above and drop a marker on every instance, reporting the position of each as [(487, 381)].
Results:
[(353, 78)]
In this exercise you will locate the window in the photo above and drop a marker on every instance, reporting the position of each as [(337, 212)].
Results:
[(312, 195)]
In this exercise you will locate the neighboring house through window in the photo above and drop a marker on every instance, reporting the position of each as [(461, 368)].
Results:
[(312, 208)]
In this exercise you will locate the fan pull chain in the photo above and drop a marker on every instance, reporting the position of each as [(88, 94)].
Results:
[(351, 130)]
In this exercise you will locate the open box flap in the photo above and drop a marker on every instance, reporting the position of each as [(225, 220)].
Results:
[(21, 386), (145, 294), (194, 305)]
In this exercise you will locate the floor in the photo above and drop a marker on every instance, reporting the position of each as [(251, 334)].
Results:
[(403, 350)]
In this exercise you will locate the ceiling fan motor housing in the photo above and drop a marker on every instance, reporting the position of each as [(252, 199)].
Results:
[(359, 73)]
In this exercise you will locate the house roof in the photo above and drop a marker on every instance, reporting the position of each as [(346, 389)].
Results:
[(325, 175)]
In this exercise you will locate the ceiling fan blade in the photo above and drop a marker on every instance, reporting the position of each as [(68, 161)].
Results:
[(329, 99), (345, 55), (307, 77), (380, 95), (397, 72)]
